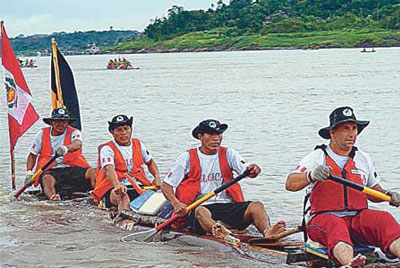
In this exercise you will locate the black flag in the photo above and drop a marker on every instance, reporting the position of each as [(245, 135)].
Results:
[(63, 91)]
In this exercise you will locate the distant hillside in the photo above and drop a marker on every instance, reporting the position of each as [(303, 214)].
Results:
[(278, 16), (90, 42), (271, 24)]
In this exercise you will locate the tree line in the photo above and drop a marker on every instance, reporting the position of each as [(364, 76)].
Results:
[(275, 16), (76, 42)]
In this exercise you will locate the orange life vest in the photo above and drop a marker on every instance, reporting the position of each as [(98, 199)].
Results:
[(332, 196), (189, 188), (103, 184), (75, 159)]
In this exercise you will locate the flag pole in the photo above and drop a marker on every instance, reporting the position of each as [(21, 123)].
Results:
[(20, 117), (13, 183), (57, 102)]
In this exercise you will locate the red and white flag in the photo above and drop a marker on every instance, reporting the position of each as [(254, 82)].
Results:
[(21, 114)]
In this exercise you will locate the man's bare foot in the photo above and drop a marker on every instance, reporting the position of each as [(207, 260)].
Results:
[(357, 261), (275, 229), (55, 197), (219, 230)]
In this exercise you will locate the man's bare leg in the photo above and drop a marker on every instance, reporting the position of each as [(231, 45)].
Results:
[(256, 212), (395, 248), (91, 176), (49, 188), (121, 200), (203, 216)]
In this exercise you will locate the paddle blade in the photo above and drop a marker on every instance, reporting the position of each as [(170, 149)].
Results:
[(145, 236)]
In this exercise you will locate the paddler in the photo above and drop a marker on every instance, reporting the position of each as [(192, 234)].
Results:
[(121, 155), (340, 217), (200, 170), (70, 172)]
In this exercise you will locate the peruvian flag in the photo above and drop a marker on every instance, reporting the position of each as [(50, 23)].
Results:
[(21, 114)]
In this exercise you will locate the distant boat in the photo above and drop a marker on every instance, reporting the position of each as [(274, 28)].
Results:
[(120, 64), (27, 63), (365, 50)]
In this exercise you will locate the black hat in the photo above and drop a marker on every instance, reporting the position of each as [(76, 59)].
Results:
[(119, 120), (342, 115), (209, 126), (59, 114)]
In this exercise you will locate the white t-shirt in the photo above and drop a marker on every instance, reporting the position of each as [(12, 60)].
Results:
[(107, 157), (211, 177), (361, 160), (56, 141)]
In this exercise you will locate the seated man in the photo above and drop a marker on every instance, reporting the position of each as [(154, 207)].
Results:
[(70, 172), (340, 216), (123, 154), (201, 170)]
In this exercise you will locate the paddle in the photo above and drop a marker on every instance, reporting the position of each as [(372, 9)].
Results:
[(361, 188), (148, 235), (37, 174), (149, 187)]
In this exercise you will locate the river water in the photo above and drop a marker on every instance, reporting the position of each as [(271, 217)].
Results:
[(274, 103)]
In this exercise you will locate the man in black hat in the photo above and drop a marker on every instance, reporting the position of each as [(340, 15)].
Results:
[(201, 170), (122, 155), (70, 172), (340, 216)]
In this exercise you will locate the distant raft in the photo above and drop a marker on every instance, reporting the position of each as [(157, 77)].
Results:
[(120, 64)]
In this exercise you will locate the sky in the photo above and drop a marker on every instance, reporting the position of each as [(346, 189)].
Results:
[(30, 17)]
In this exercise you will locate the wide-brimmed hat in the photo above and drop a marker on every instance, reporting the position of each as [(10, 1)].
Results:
[(119, 120), (342, 115), (59, 114), (210, 126)]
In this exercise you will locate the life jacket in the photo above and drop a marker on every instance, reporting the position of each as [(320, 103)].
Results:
[(189, 188), (74, 159), (333, 196), (103, 184)]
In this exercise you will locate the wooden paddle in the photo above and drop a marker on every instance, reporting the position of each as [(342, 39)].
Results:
[(361, 188), (149, 187), (149, 234), (276, 244), (37, 174)]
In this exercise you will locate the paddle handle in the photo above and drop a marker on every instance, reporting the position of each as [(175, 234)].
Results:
[(149, 187), (37, 174), (21, 190), (204, 198), (361, 188)]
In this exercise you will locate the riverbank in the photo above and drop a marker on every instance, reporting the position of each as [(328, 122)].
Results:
[(222, 40)]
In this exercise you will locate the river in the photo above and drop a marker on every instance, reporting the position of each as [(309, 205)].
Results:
[(274, 103)]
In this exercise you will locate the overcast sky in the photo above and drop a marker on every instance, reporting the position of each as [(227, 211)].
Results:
[(47, 16)]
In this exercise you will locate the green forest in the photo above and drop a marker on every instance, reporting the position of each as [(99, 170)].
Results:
[(257, 24), (69, 43), (243, 25)]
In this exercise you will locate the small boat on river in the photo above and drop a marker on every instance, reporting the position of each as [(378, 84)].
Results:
[(120, 64), (367, 51)]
